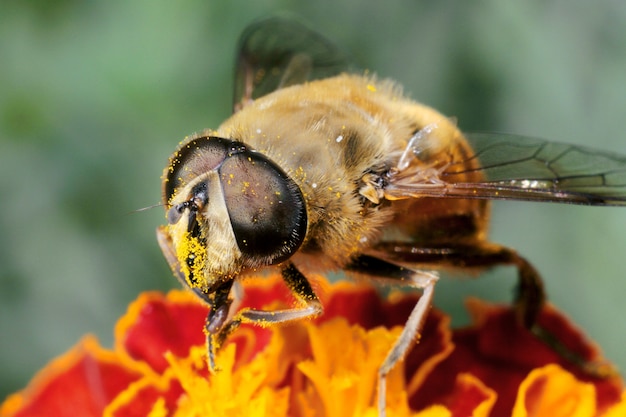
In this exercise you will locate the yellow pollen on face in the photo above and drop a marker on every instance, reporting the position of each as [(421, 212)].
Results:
[(191, 254)]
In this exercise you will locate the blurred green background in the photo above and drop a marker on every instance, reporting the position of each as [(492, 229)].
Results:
[(94, 96)]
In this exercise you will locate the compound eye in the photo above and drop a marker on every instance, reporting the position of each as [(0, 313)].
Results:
[(266, 208), (198, 156)]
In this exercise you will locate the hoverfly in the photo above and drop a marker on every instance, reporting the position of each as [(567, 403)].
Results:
[(321, 168)]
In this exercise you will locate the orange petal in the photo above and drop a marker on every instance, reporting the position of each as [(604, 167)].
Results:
[(552, 391), (143, 396), (342, 372), (243, 392)]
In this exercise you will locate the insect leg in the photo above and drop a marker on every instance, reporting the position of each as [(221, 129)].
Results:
[(218, 326), (381, 269), (530, 296), (218, 323), (301, 289), (530, 293)]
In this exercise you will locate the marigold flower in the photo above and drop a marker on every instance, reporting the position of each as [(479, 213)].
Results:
[(323, 367)]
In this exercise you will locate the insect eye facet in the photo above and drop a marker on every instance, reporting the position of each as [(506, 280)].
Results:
[(266, 208)]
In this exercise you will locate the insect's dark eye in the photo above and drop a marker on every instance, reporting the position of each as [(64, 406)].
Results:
[(266, 208), (200, 155)]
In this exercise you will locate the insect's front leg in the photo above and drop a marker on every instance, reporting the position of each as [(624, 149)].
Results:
[(219, 302), (218, 327), (381, 269), (310, 305)]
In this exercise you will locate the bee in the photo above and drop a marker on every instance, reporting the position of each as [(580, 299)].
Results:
[(323, 168)]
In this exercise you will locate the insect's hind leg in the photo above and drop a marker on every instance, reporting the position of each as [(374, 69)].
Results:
[(384, 270), (530, 296)]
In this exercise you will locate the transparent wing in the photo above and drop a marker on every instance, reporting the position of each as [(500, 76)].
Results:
[(278, 52), (514, 167)]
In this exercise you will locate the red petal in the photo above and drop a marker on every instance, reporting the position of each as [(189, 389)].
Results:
[(499, 352), (358, 304), (155, 324), (469, 397), (82, 382)]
